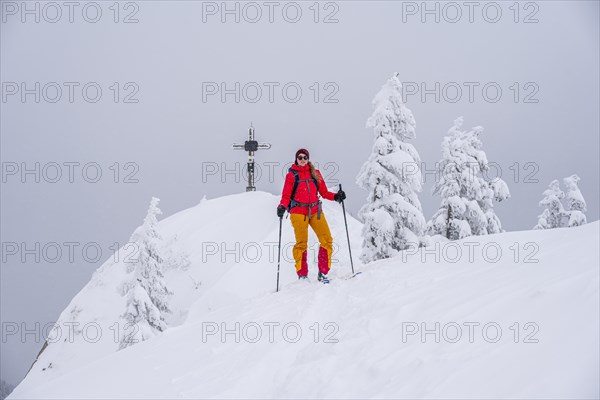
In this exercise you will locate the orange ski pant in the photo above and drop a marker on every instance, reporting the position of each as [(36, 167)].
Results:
[(300, 222)]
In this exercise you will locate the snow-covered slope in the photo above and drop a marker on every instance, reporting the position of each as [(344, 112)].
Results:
[(527, 329), (232, 244)]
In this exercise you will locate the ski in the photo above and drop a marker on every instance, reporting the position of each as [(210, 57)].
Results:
[(352, 276)]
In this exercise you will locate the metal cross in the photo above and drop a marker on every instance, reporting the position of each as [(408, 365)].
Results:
[(251, 146)]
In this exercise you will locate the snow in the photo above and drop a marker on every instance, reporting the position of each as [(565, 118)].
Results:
[(364, 348)]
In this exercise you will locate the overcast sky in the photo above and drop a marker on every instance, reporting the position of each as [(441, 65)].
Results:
[(162, 125)]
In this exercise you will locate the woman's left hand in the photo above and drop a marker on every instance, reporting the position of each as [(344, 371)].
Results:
[(339, 196)]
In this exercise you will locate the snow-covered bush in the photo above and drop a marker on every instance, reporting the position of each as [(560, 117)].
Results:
[(575, 206), (557, 215), (554, 211)]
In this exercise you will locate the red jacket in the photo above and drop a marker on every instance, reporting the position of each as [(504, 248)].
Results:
[(304, 193)]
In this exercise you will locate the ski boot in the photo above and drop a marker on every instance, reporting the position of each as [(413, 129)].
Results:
[(322, 278)]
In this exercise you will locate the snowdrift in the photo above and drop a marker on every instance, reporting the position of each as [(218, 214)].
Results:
[(506, 315)]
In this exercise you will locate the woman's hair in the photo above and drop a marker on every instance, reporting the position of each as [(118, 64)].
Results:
[(313, 172)]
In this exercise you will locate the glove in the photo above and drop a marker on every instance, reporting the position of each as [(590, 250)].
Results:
[(339, 196), (280, 211)]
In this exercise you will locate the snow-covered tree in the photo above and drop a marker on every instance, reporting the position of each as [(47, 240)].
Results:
[(557, 215), (393, 217), (467, 197), (554, 211), (147, 293), (575, 206)]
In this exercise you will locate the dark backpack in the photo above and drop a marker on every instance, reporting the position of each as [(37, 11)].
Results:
[(296, 182)]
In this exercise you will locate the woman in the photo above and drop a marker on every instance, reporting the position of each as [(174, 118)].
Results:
[(300, 197)]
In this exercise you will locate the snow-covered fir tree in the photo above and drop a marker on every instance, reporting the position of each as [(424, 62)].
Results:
[(147, 293), (393, 217), (467, 206), (554, 212), (575, 206)]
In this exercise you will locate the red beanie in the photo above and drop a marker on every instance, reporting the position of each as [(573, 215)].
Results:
[(302, 151)]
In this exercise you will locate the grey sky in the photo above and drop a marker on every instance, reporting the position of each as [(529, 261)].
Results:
[(172, 135)]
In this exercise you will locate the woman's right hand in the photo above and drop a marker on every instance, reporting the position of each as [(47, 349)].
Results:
[(280, 211)]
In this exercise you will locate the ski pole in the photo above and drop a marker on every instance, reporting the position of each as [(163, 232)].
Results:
[(347, 235), (279, 253)]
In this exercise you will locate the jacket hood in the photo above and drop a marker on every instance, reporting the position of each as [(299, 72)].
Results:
[(299, 168)]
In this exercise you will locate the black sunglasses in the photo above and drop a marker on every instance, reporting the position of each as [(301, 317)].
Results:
[(302, 158)]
